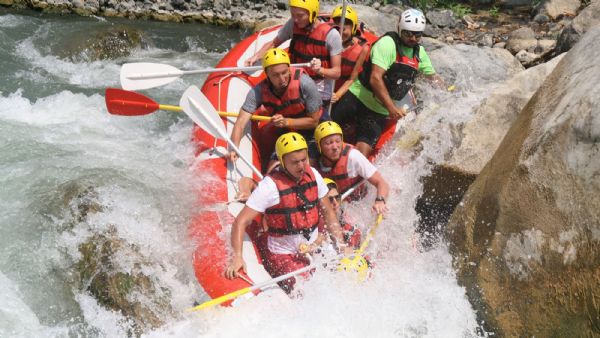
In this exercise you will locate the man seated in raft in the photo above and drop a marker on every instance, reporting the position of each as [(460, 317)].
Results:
[(289, 96), (347, 166), (289, 197)]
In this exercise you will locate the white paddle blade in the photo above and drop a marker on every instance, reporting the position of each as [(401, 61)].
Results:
[(145, 75), (202, 112)]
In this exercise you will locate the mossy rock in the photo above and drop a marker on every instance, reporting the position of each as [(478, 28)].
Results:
[(131, 293), (110, 43)]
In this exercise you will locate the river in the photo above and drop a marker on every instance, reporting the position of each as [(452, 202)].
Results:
[(57, 138)]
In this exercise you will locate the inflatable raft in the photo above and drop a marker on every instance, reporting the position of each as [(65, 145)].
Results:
[(210, 227)]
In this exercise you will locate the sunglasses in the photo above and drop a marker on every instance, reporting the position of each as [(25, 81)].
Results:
[(337, 197), (410, 34)]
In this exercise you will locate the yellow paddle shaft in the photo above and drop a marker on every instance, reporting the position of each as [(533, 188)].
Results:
[(370, 235), (220, 300), (221, 113)]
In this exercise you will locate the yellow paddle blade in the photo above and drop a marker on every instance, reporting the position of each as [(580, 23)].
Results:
[(355, 264), (220, 300)]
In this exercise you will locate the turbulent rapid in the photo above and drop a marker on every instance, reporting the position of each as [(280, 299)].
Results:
[(74, 176)]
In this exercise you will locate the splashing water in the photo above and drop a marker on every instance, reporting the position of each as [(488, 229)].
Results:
[(71, 171)]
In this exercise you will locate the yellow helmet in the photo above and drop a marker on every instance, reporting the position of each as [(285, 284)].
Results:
[(350, 15), (312, 6), (330, 183), (325, 129), (287, 143), (275, 56)]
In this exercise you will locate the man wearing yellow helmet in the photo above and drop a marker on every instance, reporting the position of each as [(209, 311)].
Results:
[(311, 41), (346, 165), (289, 197), (352, 235), (288, 95), (355, 50), (388, 75)]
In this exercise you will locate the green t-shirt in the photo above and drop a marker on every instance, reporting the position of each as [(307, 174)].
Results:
[(383, 54)]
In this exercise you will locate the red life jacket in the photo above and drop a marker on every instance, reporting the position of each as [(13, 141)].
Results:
[(349, 57), (297, 211), (400, 77), (305, 46), (339, 171), (290, 104)]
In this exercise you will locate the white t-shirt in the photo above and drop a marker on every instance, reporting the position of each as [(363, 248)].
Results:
[(265, 196), (358, 165)]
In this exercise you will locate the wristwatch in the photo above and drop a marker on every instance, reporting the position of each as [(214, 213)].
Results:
[(380, 199)]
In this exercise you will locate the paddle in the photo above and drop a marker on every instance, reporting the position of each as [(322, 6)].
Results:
[(356, 262), (235, 294), (202, 112), (342, 21), (127, 103), (145, 75)]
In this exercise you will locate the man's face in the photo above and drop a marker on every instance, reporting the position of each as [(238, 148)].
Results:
[(331, 147), (347, 31), (410, 38), (295, 163), (279, 76), (300, 16), (335, 199)]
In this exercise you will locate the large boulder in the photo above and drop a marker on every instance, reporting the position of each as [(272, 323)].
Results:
[(472, 71), (482, 135), (525, 239), (554, 9), (101, 44), (460, 63), (373, 19)]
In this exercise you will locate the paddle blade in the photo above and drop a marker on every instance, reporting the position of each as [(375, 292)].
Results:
[(123, 102), (201, 111), (145, 75)]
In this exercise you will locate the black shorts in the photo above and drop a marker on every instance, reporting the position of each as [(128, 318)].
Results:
[(368, 124)]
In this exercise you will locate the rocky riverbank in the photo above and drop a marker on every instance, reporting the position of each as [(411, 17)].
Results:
[(533, 33)]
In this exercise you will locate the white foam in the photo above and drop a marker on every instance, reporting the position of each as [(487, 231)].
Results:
[(9, 21), (16, 318)]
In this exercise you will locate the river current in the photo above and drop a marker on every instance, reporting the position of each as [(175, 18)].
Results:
[(57, 138)]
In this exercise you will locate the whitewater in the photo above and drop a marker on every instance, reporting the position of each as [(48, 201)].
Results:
[(60, 149)]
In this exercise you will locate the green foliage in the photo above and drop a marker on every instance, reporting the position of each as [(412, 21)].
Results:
[(494, 12), (459, 9)]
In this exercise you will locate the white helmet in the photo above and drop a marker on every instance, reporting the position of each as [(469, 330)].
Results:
[(412, 20)]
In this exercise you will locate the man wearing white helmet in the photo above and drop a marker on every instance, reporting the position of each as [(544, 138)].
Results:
[(395, 60)]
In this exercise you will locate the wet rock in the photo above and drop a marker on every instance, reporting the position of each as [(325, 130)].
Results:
[(485, 40), (131, 293), (374, 20), (431, 44), (515, 3), (587, 19), (521, 39), (111, 43), (441, 18), (458, 63), (15, 3), (525, 237), (481, 136), (557, 8), (527, 58), (541, 18)]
